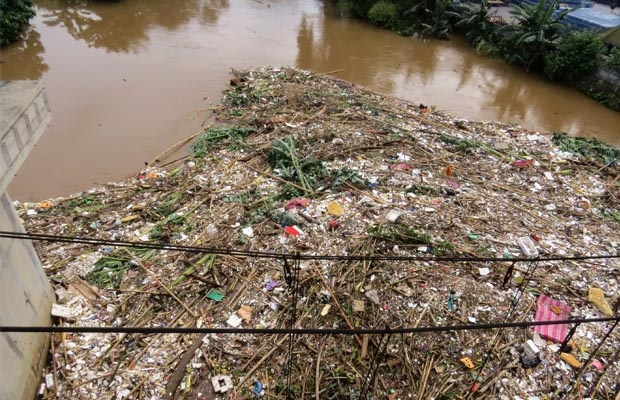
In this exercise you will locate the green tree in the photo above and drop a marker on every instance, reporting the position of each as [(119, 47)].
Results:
[(14, 15), (533, 37), (577, 55), (356, 8), (384, 14)]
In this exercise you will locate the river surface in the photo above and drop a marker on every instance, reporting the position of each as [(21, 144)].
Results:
[(127, 80)]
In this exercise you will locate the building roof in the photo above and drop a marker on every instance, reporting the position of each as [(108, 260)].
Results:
[(590, 18)]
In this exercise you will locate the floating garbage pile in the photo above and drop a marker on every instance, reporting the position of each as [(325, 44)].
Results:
[(300, 163)]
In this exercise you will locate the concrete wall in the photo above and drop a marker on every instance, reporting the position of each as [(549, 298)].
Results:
[(25, 293), (604, 81), (25, 299), (608, 79), (604, 87), (24, 115)]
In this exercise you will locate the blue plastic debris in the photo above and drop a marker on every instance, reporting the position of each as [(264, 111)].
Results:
[(258, 388)]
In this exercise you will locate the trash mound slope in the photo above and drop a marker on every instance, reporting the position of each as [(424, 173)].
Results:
[(300, 163)]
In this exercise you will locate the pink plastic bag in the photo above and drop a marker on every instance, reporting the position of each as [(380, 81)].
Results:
[(549, 309)]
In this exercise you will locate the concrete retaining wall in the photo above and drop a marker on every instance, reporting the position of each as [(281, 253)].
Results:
[(607, 80), (25, 299), (25, 114), (604, 86), (25, 294)]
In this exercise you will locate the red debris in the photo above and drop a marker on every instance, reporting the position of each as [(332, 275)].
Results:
[(293, 230), (523, 163), (402, 167), (297, 203)]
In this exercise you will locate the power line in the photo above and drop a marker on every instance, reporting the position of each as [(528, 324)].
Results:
[(259, 254), (303, 331), (291, 275), (140, 245)]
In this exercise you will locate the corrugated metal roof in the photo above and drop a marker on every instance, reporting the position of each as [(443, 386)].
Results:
[(590, 18)]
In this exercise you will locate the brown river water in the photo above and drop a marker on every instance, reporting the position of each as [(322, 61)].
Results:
[(127, 80)]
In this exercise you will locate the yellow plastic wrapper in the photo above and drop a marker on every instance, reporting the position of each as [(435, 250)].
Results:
[(597, 297), (334, 208)]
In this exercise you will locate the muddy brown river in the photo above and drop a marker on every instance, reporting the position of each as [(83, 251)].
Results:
[(127, 80)]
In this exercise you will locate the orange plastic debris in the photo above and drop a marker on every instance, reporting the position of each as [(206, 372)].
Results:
[(570, 360), (555, 309), (467, 362)]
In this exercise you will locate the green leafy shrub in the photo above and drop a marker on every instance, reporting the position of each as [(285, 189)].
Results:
[(108, 272), (614, 60), (591, 148), (474, 19), (14, 14), (406, 31), (487, 47), (383, 14), (355, 8), (303, 171), (577, 55), (214, 135), (609, 100), (534, 34), (434, 18)]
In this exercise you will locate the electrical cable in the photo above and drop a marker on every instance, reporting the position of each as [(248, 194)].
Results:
[(304, 331), (258, 254), (292, 275)]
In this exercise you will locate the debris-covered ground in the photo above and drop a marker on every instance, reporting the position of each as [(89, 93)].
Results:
[(309, 164)]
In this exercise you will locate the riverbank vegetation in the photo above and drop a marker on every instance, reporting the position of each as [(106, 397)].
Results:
[(577, 55), (537, 40), (14, 16)]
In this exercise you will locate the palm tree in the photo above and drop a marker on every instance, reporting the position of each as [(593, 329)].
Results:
[(538, 26), (435, 17), (475, 20), (440, 19)]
